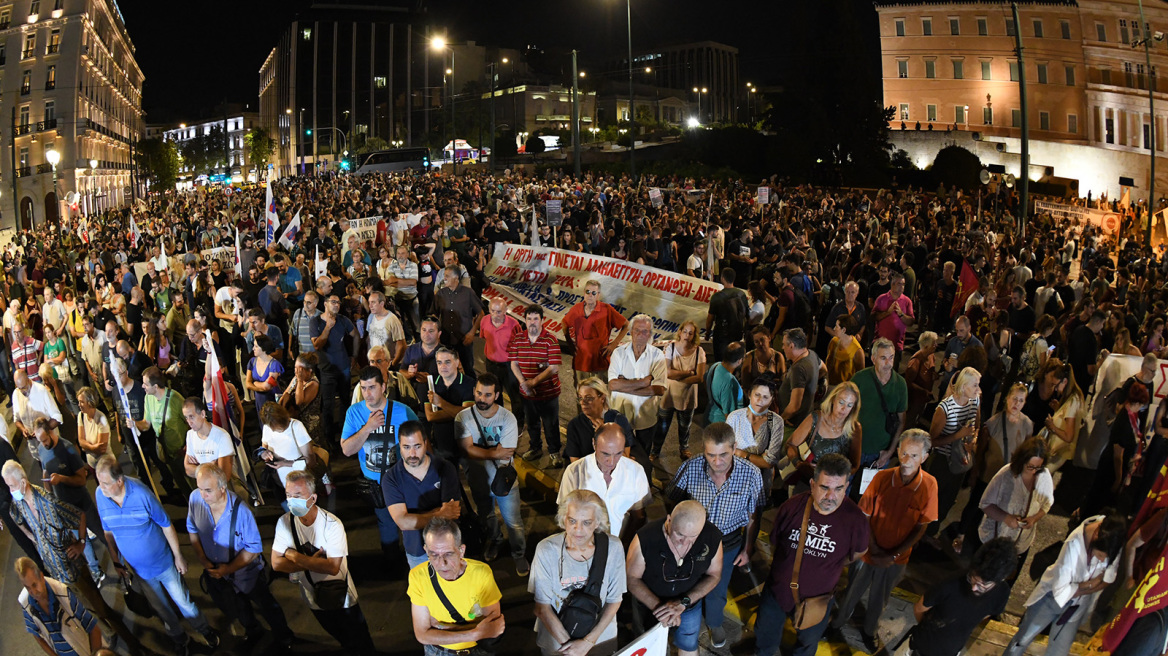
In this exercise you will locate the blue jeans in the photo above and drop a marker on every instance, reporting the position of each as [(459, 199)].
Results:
[(172, 582), (1043, 613), (772, 619), (685, 635), (90, 556), (714, 604), (414, 561), (386, 528), (509, 508)]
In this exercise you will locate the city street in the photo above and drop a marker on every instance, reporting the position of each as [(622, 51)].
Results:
[(386, 606)]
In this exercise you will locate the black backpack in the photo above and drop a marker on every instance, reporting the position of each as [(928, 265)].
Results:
[(800, 314), (582, 608)]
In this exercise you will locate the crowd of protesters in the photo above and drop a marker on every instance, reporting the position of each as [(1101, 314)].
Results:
[(870, 356)]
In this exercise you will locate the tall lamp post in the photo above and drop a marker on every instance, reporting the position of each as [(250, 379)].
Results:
[(54, 158), (438, 43), (632, 100), (1152, 125), (92, 182), (291, 154)]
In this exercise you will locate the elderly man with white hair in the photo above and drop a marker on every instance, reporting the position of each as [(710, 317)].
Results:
[(636, 378)]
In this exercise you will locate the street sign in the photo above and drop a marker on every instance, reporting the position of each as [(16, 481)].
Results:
[(228, 191), (555, 215)]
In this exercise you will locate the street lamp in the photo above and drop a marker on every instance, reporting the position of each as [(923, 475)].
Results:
[(438, 43), (632, 99), (699, 93), (92, 183), (54, 158)]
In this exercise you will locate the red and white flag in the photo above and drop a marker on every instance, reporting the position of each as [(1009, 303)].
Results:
[(135, 235)]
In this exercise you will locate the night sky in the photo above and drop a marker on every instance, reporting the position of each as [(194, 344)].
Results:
[(194, 56)]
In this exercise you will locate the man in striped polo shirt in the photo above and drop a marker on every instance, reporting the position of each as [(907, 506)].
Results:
[(535, 360), (25, 351)]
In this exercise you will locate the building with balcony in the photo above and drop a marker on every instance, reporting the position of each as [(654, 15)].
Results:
[(953, 66), (234, 162), (544, 107), (69, 83)]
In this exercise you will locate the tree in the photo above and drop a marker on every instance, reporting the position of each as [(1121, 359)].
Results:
[(372, 145), (955, 166), (158, 161), (260, 146), (645, 117), (194, 154)]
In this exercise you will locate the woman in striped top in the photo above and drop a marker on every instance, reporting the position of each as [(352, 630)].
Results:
[(955, 426)]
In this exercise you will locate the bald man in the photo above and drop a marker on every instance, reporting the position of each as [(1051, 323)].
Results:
[(671, 587), (614, 477)]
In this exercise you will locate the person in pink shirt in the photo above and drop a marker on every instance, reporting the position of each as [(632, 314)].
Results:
[(496, 329), (893, 314)]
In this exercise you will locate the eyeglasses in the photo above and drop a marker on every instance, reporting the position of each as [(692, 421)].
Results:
[(679, 574), (1033, 468)]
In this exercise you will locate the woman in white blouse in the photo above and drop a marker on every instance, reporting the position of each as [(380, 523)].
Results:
[(758, 430), (286, 443), (1088, 562), (1018, 496)]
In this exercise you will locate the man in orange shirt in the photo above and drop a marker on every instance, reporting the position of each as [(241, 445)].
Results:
[(589, 325), (899, 504)]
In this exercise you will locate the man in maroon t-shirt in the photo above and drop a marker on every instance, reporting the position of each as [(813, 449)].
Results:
[(837, 535)]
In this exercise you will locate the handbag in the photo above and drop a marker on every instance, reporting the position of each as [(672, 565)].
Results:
[(329, 595), (506, 475), (136, 600), (582, 608), (485, 646), (866, 477), (810, 611), (957, 463)]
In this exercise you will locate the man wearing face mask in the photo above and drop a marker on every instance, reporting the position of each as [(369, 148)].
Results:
[(311, 545), (824, 531), (419, 488), (899, 503), (226, 540)]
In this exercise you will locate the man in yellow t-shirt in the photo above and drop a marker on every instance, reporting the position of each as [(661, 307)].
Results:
[(469, 587)]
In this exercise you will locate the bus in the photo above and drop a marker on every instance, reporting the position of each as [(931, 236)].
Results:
[(399, 159)]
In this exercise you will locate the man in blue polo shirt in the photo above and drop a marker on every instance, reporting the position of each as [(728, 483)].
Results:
[(226, 540), (418, 488), (141, 539), (371, 433)]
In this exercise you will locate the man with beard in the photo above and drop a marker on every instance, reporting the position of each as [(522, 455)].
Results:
[(824, 531), (949, 612), (418, 488), (490, 434)]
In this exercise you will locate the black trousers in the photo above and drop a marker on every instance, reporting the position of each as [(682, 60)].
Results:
[(239, 604), (348, 627)]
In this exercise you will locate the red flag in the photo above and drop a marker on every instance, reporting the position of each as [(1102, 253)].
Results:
[(967, 284)]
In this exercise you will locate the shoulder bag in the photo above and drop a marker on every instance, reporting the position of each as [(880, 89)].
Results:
[(582, 608), (891, 419), (809, 611), (485, 647), (329, 595), (505, 475), (213, 586)]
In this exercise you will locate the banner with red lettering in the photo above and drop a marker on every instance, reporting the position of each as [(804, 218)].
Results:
[(555, 279)]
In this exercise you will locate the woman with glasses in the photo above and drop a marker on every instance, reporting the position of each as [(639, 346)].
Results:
[(686, 363), (592, 396), (562, 566), (1019, 495)]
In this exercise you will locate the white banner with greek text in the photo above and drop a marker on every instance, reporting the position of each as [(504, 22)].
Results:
[(555, 279)]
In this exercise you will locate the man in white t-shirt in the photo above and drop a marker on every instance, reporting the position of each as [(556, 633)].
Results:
[(385, 328), (206, 442), (620, 481), (311, 545), (490, 435)]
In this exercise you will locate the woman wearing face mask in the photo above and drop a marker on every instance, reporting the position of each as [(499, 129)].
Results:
[(758, 430), (1122, 458)]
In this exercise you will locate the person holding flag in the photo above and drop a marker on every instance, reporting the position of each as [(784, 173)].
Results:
[(271, 219)]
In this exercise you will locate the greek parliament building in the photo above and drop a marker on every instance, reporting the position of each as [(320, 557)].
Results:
[(953, 66), (69, 84)]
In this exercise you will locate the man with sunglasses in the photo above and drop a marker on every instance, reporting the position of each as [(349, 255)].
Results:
[(589, 325)]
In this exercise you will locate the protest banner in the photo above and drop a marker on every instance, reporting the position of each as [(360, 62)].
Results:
[(555, 279), (1079, 217), (764, 195), (655, 197), (555, 214), (654, 642), (225, 255), (365, 228)]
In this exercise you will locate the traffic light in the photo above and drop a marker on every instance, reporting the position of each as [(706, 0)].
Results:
[(344, 165), (308, 132)]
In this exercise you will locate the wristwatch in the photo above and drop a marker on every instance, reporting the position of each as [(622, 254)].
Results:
[(685, 602)]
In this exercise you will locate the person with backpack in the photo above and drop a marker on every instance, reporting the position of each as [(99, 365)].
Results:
[(726, 321)]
